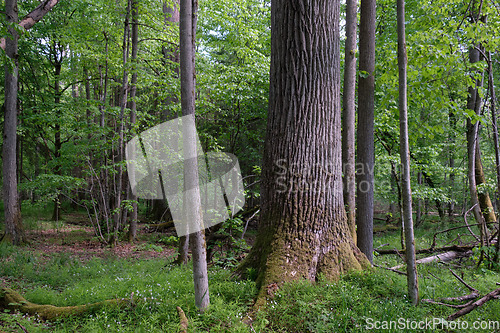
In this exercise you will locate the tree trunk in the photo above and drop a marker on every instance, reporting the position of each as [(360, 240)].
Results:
[(411, 266), (171, 54), (33, 17), (491, 83), (484, 197), (366, 148), (349, 117), (418, 215), (451, 138), (303, 231), (119, 177), (192, 201), (472, 130), (14, 232), (132, 231), (57, 63)]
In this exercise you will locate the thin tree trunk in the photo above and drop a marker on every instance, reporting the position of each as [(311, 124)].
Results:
[(132, 231), (472, 131), (484, 197), (491, 83), (193, 214), (14, 231), (57, 62), (418, 215), (366, 148), (171, 12), (411, 265), (349, 117), (121, 128), (451, 138)]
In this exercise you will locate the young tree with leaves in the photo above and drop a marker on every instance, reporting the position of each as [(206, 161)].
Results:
[(404, 151), (187, 27)]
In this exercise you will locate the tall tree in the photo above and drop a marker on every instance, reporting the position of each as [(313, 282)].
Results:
[(303, 231), (366, 149), (132, 231), (14, 231), (411, 265), (194, 215), (473, 103), (349, 116)]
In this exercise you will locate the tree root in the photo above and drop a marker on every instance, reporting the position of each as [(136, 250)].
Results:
[(12, 300)]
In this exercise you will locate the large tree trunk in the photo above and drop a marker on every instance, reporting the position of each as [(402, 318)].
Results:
[(303, 231), (14, 231), (349, 116), (192, 201), (366, 147), (411, 265)]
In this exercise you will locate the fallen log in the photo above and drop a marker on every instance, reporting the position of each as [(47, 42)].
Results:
[(488, 297), (160, 227), (443, 257), (183, 320), (12, 300), (463, 248)]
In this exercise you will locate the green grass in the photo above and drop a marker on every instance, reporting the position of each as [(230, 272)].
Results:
[(348, 305)]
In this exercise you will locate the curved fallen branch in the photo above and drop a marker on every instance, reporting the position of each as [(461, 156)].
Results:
[(12, 300), (474, 305)]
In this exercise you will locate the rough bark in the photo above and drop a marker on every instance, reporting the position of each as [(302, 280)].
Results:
[(187, 25), (366, 149), (14, 232), (303, 232), (349, 116), (411, 266)]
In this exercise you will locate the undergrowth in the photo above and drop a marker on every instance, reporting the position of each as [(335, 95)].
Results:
[(355, 303)]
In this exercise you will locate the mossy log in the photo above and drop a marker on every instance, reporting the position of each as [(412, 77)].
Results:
[(12, 300), (183, 320), (160, 227)]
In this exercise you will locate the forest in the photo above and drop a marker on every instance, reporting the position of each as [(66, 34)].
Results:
[(250, 166)]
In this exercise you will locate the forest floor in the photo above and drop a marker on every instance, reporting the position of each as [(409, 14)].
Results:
[(64, 264)]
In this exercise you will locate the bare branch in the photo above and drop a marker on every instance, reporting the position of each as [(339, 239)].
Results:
[(36, 15)]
